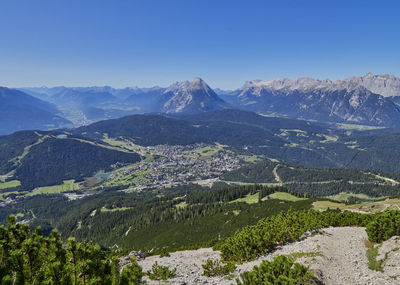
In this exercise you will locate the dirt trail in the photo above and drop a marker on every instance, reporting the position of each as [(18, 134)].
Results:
[(386, 179), (277, 178), (338, 256), (344, 258)]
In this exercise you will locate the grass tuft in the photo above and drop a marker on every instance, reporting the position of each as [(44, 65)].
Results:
[(372, 253)]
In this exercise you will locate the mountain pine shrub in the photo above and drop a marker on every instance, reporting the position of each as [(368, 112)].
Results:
[(384, 226), (282, 270), (159, 272), (217, 268)]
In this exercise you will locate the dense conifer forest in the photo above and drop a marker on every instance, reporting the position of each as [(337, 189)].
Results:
[(55, 160), (178, 217), (317, 182)]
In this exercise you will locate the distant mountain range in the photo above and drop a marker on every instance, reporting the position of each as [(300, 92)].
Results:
[(83, 105), (383, 84), (345, 101), (20, 111), (87, 104), (367, 100)]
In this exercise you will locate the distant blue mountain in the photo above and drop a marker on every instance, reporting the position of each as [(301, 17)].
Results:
[(20, 111), (368, 100)]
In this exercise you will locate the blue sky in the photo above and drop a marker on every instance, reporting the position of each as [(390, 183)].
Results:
[(145, 43)]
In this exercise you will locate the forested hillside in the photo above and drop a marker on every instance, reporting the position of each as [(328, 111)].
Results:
[(287, 140), (217, 140), (13, 146), (44, 158), (318, 182), (182, 216), (28, 156), (55, 160)]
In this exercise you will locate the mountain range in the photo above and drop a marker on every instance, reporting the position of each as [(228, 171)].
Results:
[(383, 84), (83, 105), (20, 111), (322, 100), (367, 100)]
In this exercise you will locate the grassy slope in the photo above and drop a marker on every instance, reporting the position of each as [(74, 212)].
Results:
[(67, 186), (285, 196), (368, 207), (249, 199), (10, 184)]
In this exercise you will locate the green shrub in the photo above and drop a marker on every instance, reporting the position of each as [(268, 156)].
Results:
[(132, 273), (164, 253), (31, 258), (216, 268), (256, 240), (282, 270), (384, 226), (158, 272)]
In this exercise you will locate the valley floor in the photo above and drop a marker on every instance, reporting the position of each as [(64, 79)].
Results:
[(337, 256)]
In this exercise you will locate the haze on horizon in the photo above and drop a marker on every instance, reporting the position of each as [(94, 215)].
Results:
[(146, 43)]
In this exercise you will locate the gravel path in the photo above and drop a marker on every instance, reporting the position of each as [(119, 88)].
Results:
[(338, 256), (277, 178), (188, 266)]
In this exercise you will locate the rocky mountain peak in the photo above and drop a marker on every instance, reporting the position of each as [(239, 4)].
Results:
[(301, 83), (183, 86), (193, 96), (197, 81), (357, 99), (386, 85), (382, 84), (199, 84)]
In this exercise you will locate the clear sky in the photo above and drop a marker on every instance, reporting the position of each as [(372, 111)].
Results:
[(145, 42)]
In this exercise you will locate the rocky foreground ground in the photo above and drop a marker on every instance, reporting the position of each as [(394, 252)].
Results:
[(336, 256)]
